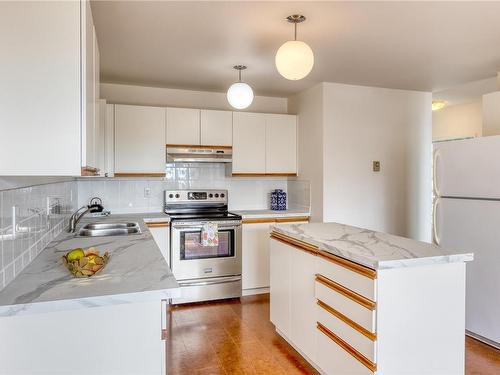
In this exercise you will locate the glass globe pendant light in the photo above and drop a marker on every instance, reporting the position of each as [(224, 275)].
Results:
[(294, 59), (240, 94)]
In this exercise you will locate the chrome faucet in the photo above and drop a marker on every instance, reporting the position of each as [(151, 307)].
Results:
[(75, 218), (94, 206)]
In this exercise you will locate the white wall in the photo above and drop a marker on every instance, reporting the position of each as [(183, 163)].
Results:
[(342, 129), (491, 114), (157, 96), (458, 121), (308, 105), (363, 124)]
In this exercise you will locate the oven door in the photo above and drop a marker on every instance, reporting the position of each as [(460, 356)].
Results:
[(191, 260)]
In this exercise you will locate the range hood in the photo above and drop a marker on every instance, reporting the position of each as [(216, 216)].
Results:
[(199, 154)]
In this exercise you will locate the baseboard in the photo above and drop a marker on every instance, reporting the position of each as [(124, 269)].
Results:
[(489, 342), (251, 292)]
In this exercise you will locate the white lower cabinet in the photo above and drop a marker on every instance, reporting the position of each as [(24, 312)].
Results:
[(280, 286), (126, 338), (303, 304), (255, 244), (161, 235), (414, 322), (333, 359)]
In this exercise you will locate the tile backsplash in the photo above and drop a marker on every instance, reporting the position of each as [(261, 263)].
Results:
[(127, 195), (30, 217)]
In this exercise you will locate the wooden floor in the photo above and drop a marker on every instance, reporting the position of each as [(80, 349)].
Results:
[(236, 337)]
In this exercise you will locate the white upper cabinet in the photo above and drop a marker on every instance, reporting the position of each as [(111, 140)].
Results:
[(183, 126), (48, 91), (139, 140), (216, 128), (281, 144), (89, 89), (40, 88), (109, 140), (264, 144), (249, 143)]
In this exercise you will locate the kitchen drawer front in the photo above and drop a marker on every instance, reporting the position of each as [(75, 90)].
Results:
[(359, 279), (334, 359), (352, 305), (352, 333)]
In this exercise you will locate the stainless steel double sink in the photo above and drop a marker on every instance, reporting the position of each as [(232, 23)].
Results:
[(109, 229)]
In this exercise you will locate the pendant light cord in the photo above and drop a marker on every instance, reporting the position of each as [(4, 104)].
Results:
[(295, 24), (239, 75)]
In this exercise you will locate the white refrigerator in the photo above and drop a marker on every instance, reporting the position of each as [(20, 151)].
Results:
[(467, 219)]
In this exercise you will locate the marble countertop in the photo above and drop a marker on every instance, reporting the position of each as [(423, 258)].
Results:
[(372, 249), (136, 271), (256, 214)]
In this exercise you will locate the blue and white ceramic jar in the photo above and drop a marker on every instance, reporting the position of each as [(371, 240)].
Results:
[(278, 200)]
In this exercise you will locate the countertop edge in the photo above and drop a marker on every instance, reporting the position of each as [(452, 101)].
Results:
[(87, 302), (384, 264)]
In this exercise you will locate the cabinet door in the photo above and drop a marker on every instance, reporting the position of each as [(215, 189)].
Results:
[(281, 144), (88, 130), (249, 143), (109, 140), (255, 242), (139, 140), (280, 286), (161, 235), (100, 137), (216, 128), (183, 126), (303, 314)]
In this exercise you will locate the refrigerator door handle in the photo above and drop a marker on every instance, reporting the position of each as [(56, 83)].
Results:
[(437, 241), (436, 157)]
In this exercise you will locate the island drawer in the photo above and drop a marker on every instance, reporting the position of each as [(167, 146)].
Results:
[(355, 335), (359, 309), (336, 357), (353, 276)]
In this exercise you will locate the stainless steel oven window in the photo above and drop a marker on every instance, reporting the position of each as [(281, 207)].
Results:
[(191, 248)]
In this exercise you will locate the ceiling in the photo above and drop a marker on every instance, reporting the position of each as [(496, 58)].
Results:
[(428, 46)]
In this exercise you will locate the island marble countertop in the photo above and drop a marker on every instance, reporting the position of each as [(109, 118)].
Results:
[(372, 249), (136, 272)]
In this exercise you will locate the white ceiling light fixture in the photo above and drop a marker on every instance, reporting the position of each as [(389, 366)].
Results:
[(240, 94), (294, 59)]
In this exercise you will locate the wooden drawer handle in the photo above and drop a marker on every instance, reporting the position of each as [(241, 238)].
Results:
[(358, 298), (362, 270), (304, 246), (162, 224), (346, 320), (348, 348), (291, 219)]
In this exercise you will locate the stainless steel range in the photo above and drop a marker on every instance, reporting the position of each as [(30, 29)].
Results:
[(204, 272)]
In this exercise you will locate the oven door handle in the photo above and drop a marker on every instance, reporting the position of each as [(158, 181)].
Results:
[(218, 280), (200, 227)]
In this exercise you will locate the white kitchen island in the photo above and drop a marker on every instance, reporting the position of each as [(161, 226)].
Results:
[(355, 301), (112, 323)]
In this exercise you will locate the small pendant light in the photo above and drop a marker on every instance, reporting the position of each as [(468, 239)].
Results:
[(240, 94), (294, 59)]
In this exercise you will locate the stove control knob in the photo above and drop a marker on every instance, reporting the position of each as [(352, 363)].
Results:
[(210, 195), (177, 195), (170, 195), (216, 195), (222, 195)]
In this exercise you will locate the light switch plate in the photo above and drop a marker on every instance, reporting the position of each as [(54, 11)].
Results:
[(376, 166), (147, 192)]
